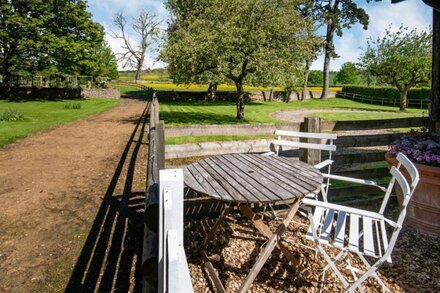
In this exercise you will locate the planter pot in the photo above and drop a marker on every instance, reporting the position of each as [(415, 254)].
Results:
[(423, 211)]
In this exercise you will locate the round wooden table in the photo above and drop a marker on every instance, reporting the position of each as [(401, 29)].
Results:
[(252, 178), (245, 179)]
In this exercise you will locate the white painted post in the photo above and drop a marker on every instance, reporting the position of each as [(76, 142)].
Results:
[(173, 269)]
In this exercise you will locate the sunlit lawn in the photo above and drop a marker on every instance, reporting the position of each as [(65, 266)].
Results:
[(199, 112), (39, 115)]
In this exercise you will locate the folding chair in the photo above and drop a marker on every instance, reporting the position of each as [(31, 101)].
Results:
[(359, 232), (281, 142)]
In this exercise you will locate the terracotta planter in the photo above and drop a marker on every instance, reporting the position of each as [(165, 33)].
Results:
[(423, 212)]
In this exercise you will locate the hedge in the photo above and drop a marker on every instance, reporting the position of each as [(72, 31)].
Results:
[(388, 92)]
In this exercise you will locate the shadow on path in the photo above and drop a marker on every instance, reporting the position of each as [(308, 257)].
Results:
[(112, 254)]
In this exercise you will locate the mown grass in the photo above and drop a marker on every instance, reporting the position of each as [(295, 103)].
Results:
[(213, 138), (40, 115), (199, 112)]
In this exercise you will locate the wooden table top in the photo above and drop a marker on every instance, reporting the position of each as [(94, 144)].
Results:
[(252, 178)]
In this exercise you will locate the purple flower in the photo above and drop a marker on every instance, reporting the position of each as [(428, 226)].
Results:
[(422, 147)]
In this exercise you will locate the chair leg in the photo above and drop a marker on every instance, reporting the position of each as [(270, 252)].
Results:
[(374, 274)]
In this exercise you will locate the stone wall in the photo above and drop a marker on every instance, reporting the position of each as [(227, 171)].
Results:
[(108, 93), (61, 93)]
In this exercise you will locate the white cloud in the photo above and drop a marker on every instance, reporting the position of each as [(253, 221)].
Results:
[(411, 14)]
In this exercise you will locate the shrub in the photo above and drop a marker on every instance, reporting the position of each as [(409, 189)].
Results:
[(11, 115), (73, 105), (388, 92)]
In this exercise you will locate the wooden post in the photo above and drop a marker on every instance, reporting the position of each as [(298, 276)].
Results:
[(312, 124), (160, 132), (434, 111)]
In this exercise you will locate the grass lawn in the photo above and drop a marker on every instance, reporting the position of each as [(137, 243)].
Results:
[(188, 113), (210, 138), (39, 115)]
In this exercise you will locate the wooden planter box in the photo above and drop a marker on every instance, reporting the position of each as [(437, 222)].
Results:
[(423, 212)]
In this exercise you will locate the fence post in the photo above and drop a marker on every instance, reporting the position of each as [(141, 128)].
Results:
[(160, 132), (312, 124)]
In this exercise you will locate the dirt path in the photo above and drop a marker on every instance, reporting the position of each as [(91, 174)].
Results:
[(52, 187)]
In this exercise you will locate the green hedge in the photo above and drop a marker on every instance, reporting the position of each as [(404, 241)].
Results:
[(388, 92)]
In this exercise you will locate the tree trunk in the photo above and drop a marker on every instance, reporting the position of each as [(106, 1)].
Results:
[(240, 99), (434, 111), (403, 95), (271, 94), (328, 52), (138, 73), (306, 80), (264, 95), (212, 92), (7, 80)]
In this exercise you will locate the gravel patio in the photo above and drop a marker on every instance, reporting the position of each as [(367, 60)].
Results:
[(415, 267)]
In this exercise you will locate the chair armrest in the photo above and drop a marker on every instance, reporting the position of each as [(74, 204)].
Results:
[(323, 164), (355, 180), (268, 154)]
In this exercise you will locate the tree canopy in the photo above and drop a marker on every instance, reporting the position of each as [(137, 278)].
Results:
[(402, 59), (51, 37), (348, 74), (239, 41)]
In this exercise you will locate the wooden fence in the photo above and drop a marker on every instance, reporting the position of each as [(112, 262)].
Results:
[(411, 103), (164, 266)]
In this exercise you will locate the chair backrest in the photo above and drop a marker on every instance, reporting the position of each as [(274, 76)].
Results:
[(304, 145), (407, 189), (413, 173)]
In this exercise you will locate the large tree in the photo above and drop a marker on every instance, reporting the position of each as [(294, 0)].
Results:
[(53, 36), (240, 41), (337, 15), (348, 74), (146, 29), (402, 59)]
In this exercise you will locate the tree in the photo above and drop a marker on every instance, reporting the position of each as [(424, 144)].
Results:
[(337, 15), (54, 36), (240, 41), (348, 74), (401, 59), (315, 77), (146, 28)]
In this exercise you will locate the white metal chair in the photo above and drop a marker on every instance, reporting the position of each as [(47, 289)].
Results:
[(360, 232), (280, 142)]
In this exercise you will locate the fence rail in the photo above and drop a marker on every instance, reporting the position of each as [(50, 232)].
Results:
[(411, 103), (164, 266)]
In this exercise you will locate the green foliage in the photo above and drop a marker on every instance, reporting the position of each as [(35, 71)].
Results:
[(315, 78), (72, 105), (348, 74), (41, 115), (402, 59), (388, 92), (50, 37), (240, 41), (11, 115)]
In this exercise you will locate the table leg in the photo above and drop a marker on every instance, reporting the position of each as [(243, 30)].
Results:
[(266, 232), (216, 225), (267, 250)]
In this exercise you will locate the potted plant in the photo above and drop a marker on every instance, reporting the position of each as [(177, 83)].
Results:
[(423, 149)]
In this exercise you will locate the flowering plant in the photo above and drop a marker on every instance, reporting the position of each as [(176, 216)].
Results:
[(421, 147)]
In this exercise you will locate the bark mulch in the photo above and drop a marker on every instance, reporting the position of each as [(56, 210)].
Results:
[(415, 267)]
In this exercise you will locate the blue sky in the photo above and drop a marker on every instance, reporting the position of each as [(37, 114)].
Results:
[(411, 13)]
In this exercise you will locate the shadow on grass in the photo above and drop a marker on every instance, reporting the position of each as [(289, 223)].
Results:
[(111, 257)]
